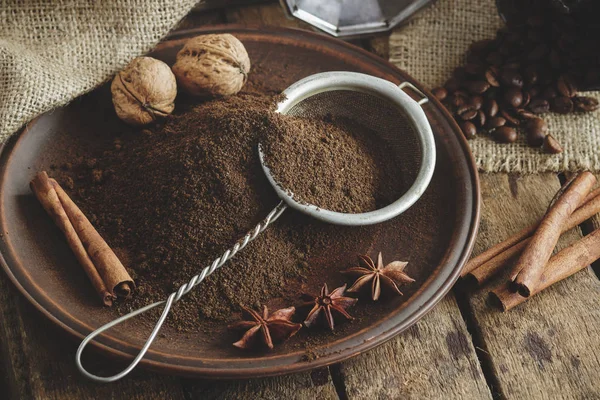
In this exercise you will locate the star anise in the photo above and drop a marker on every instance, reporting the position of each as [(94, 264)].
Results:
[(265, 329), (325, 303), (390, 275)]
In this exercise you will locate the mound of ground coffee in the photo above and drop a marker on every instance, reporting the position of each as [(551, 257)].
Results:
[(336, 165), (171, 199)]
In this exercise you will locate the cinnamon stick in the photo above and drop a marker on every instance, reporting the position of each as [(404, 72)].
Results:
[(529, 267), (485, 271), (106, 273), (518, 237), (562, 265)]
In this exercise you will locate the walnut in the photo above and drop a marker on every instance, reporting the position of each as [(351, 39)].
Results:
[(144, 91), (212, 65)]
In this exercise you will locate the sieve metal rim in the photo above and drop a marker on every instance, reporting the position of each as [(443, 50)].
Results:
[(344, 80)]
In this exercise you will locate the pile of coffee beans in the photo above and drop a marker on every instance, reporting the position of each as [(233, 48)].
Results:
[(528, 69)]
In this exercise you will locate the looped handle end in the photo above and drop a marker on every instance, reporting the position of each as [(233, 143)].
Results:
[(107, 379), (173, 297)]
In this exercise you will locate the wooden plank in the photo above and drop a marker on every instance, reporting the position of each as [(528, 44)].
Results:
[(39, 360), (546, 347), (263, 15), (434, 359), (316, 384)]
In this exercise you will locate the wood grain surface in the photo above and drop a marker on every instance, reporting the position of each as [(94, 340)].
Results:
[(434, 359), (542, 348), (545, 348)]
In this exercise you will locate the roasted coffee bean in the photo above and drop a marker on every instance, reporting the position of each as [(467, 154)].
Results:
[(549, 93), (561, 105), (533, 91), (505, 134), (524, 114), (565, 86), (513, 97), (539, 106), (495, 122), (475, 102), (490, 107), (440, 93), (477, 87), (511, 77), (530, 75), (551, 145), (480, 119), (464, 108), (510, 119), (468, 129), (585, 104), (468, 114), (526, 99), (452, 85), (536, 129), (491, 76), (459, 98)]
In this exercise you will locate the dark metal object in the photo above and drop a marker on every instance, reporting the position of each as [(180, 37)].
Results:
[(353, 17), (40, 264)]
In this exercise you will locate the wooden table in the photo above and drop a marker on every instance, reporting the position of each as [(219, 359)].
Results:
[(547, 348)]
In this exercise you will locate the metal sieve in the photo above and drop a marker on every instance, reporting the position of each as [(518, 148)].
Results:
[(370, 102)]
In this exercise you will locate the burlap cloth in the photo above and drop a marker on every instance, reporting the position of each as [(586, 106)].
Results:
[(434, 43), (52, 51)]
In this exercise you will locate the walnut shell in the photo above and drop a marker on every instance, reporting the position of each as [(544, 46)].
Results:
[(212, 65), (144, 91)]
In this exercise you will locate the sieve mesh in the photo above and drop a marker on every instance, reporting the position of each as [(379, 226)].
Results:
[(378, 115)]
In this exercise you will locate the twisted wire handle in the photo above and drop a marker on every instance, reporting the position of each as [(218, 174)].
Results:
[(173, 298)]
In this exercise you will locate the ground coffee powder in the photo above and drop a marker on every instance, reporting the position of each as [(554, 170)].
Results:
[(173, 198), (336, 165)]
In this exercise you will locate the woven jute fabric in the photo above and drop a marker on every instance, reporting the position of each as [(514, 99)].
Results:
[(431, 45), (52, 51)]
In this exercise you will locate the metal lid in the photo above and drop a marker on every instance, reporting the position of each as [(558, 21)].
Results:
[(353, 17)]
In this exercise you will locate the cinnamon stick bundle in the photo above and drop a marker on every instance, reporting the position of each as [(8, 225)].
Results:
[(525, 233), (562, 265), (528, 269), (493, 261), (100, 263)]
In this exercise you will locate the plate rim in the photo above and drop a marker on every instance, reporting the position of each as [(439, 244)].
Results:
[(298, 366)]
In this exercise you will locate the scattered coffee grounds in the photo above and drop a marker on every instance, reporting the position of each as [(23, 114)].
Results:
[(336, 165), (171, 199)]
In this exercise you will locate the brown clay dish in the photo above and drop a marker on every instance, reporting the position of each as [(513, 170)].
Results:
[(436, 239)]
